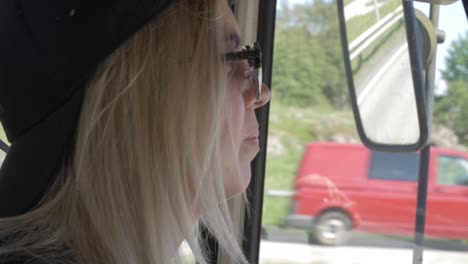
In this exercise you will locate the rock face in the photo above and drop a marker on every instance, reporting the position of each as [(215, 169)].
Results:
[(344, 138), (293, 128), (446, 138), (275, 146), (307, 125)]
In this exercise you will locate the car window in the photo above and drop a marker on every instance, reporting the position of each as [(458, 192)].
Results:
[(394, 166), (452, 171)]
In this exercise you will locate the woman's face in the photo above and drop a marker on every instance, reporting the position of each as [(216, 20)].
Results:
[(240, 142)]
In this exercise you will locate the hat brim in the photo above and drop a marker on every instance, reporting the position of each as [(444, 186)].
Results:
[(35, 157)]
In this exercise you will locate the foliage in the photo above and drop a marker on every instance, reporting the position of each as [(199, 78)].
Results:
[(451, 109), (308, 67), (457, 61)]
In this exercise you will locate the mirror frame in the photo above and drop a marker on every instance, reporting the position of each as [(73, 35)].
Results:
[(415, 42)]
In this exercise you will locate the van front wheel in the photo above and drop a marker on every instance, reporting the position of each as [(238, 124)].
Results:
[(331, 228)]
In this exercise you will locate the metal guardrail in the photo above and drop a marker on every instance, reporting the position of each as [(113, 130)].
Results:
[(373, 33), (280, 193), (375, 79)]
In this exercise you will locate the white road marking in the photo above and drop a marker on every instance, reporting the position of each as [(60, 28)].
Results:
[(295, 253), (362, 96)]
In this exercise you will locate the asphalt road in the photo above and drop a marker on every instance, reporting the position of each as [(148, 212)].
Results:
[(385, 94), (288, 246), (371, 67), (387, 103)]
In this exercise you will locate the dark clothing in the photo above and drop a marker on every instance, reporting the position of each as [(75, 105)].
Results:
[(27, 259), (61, 255), (20, 260)]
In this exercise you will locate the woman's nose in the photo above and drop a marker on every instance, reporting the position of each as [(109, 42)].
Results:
[(264, 97)]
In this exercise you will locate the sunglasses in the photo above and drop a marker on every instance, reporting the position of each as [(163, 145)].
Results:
[(253, 55)]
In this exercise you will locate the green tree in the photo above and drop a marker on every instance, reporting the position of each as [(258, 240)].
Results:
[(308, 67), (321, 21), (451, 109), (296, 72), (456, 60)]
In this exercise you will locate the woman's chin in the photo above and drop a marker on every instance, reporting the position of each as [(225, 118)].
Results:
[(238, 183)]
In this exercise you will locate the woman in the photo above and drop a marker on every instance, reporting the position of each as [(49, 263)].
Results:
[(157, 129)]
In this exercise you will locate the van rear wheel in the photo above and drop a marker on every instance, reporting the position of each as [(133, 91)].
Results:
[(331, 228)]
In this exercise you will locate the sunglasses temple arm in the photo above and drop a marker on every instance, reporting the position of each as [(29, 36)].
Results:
[(241, 55)]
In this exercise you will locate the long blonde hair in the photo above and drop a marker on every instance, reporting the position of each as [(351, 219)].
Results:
[(147, 146)]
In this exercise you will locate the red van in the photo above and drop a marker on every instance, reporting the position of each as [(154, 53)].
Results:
[(340, 187)]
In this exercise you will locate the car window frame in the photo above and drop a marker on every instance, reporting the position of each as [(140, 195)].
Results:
[(265, 19), (253, 220)]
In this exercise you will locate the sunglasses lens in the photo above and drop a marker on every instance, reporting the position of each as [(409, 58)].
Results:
[(253, 56)]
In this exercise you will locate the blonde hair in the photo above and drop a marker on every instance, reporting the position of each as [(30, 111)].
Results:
[(147, 146)]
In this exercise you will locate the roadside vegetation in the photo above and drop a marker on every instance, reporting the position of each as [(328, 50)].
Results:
[(358, 24), (451, 105), (310, 97), (290, 130)]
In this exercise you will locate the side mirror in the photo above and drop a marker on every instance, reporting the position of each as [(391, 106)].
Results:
[(386, 48)]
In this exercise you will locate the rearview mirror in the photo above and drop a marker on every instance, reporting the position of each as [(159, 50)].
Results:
[(385, 49)]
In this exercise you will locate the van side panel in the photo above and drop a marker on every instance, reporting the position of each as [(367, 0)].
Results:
[(324, 172), (343, 164), (338, 174), (379, 190)]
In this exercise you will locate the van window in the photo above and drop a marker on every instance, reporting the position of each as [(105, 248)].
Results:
[(394, 166), (452, 171)]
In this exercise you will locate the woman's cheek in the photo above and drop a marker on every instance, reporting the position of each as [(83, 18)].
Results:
[(234, 170), (237, 111)]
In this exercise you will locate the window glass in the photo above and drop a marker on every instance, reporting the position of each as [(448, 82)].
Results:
[(447, 217), (394, 166), (452, 171), (321, 202)]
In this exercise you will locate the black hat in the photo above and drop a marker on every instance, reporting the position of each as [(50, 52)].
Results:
[(48, 49)]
